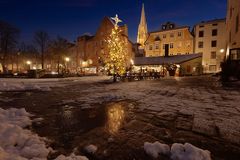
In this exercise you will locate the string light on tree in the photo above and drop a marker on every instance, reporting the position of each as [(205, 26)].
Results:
[(116, 59)]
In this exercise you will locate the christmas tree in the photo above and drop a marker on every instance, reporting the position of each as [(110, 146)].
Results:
[(117, 56)]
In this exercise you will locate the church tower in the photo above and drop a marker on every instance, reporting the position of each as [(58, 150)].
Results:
[(142, 29)]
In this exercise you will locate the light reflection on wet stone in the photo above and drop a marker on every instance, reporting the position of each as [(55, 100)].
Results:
[(115, 118)]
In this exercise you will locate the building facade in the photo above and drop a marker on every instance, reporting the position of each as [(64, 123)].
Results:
[(210, 41), (169, 41), (91, 49), (233, 29)]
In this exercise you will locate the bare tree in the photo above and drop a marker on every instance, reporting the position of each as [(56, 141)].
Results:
[(59, 49), (8, 40), (42, 39)]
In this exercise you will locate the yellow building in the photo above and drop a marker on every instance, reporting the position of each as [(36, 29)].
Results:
[(170, 40)]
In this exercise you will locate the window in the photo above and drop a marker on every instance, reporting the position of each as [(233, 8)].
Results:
[(172, 35), (150, 47), (213, 55), (201, 34), (215, 24), (200, 44), (201, 26), (179, 34), (212, 68), (171, 45), (214, 43), (214, 32), (156, 46), (235, 54), (164, 36), (237, 23)]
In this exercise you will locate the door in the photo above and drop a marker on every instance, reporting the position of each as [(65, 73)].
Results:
[(166, 50)]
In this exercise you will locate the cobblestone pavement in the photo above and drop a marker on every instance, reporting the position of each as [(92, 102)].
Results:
[(118, 118)]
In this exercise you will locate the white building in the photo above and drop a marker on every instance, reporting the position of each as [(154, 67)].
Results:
[(210, 40), (233, 29)]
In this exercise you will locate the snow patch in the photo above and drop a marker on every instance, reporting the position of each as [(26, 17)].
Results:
[(15, 116), (177, 152), (91, 148), (22, 144), (156, 148), (188, 152), (71, 157), (21, 86)]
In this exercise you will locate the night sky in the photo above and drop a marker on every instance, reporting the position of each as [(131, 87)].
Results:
[(72, 18)]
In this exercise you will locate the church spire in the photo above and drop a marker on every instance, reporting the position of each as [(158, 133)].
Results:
[(142, 28)]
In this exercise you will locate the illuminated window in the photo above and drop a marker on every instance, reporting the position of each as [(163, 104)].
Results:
[(172, 35), (150, 47), (213, 55), (171, 45), (179, 34), (212, 68), (200, 44)]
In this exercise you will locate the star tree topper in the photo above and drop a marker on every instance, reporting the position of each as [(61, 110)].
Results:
[(116, 20)]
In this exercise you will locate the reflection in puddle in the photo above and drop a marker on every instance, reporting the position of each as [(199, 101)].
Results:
[(65, 124), (115, 115)]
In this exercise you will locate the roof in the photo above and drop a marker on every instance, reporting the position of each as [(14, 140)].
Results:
[(172, 29), (211, 21), (178, 59)]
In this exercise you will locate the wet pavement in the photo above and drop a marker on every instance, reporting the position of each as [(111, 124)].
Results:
[(103, 114)]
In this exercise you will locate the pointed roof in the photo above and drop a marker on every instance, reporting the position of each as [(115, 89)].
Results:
[(142, 28), (143, 17)]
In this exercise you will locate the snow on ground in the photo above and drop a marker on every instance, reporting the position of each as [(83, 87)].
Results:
[(188, 152), (209, 107), (156, 148), (22, 144), (91, 148), (71, 157), (178, 151), (17, 142), (15, 84)]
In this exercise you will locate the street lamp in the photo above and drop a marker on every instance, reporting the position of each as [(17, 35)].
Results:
[(222, 50), (29, 64), (67, 59)]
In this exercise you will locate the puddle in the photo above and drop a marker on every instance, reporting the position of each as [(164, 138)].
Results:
[(70, 122)]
